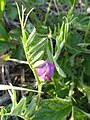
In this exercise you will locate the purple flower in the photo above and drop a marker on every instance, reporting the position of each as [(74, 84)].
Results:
[(46, 71)]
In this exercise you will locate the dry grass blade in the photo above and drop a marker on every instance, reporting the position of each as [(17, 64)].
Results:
[(8, 87)]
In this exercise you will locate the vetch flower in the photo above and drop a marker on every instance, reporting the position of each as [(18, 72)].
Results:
[(46, 71)]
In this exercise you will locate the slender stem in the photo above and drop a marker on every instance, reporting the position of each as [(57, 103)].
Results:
[(48, 9), (51, 45), (39, 95), (36, 76), (72, 87), (39, 88), (72, 116)]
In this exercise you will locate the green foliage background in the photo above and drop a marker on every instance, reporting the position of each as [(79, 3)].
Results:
[(62, 38)]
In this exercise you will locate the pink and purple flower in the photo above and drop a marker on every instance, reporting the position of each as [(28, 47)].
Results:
[(46, 71)]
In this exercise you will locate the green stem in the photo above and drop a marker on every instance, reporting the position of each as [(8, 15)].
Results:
[(39, 88), (36, 76), (48, 9), (39, 95), (72, 115)]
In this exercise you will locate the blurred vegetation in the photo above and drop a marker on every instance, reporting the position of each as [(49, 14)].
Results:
[(60, 28)]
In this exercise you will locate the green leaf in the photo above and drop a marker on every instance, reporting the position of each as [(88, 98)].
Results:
[(19, 107), (71, 2), (53, 110), (60, 71), (37, 46), (86, 90), (81, 22), (86, 64), (5, 46), (2, 5), (38, 63), (11, 9), (80, 114), (3, 33), (30, 38), (50, 57), (2, 113), (31, 107), (37, 57)]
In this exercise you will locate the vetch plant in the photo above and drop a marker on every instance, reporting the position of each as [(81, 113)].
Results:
[(34, 49)]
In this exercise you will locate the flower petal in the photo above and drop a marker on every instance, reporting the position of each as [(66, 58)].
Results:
[(40, 71), (51, 69), (46, 71)]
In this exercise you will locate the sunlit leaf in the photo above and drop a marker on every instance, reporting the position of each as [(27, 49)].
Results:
[(30, 38), (37, 56), (19, 107), (60, 71), (37, 46), (53, 110), (38, 63), (2, 5), (31, 107)]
